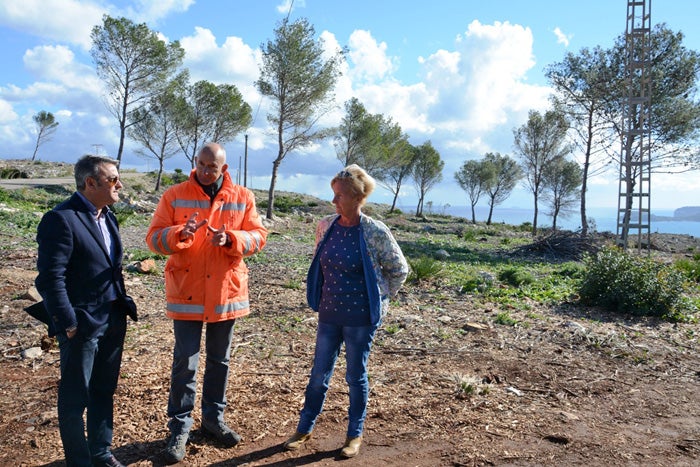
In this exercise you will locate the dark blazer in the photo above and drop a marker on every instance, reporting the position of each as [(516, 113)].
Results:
[(78, 281)]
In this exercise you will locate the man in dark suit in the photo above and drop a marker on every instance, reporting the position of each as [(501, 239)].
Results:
[(80, 280)]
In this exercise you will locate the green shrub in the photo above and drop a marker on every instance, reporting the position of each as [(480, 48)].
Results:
[(621, 282), (571, 269), (425, 267), (689, 267), (122, 212), (474, 282), (505, 319), (524, 227), (515, 276), (470, 235), (284, 203)]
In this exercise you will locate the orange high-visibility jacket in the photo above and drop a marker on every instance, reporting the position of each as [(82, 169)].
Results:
[(204, 282)]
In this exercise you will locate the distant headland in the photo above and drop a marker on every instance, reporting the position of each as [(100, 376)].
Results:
[(686, 213)]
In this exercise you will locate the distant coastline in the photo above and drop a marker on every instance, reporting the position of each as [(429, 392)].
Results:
[(603, 219), (684, 214)]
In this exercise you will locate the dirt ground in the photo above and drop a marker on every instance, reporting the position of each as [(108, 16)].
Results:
[(449, 386)]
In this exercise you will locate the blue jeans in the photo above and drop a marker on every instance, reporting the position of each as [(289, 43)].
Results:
[(329, 338), (183, 381), (89, 375)]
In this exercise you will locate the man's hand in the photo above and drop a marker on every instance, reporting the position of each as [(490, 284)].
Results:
[(191, 226), (219, 238)]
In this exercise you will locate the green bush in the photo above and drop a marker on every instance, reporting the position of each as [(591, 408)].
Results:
[(504, 318), (122, 212), (690, 267), (425, 267), (622, 282), (284, 204), (515, 276), (474, 282), (470, 235), (571, 269)]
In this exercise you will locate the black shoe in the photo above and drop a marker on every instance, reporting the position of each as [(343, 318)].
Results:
[(176, 449), (110, 461), (222, 433)]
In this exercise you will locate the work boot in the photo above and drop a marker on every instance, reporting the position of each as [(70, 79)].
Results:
[(222, 433), (296, 441), (176, 449), (351, 447)]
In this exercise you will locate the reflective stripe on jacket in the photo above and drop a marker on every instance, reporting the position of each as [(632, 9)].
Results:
[(204, 282), (385, 267)]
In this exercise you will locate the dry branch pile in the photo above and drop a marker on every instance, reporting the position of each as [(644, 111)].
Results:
[(560, 245)]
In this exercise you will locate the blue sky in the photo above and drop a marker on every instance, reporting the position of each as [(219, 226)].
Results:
[(460, 73)]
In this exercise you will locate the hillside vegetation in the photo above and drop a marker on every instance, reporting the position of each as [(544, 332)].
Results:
[(490, 355)]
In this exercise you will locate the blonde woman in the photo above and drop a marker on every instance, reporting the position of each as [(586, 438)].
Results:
[(357, 267)]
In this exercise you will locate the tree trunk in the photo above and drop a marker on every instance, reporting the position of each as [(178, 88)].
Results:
[(393, 202), (160, 174), (419, 208), (271, 191), (534, 218), (36, 148), (584, 175), (488, 221)]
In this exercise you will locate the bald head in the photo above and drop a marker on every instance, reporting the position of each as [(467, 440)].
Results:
[(214, 150), (210, 163)]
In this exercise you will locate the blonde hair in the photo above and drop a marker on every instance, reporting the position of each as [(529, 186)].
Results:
[(357, 179)]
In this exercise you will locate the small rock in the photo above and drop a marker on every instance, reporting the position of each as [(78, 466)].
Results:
[(475, 327), (441, 255), (515, 391), (487, 276), (407, 320), (32, 294), (568, 416), (575, 326), (32, 352), (147, 266)]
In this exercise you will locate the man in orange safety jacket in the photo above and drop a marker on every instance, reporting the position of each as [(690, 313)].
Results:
[(206, 226)]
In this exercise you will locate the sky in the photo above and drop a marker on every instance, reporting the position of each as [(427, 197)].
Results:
[(462, 74)]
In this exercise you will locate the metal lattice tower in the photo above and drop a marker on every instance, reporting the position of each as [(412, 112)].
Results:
[(634, 200)]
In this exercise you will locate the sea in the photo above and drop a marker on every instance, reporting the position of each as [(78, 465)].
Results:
[(604, 219)]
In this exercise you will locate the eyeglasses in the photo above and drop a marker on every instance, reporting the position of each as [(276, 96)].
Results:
[(112, 180), (344, 174)]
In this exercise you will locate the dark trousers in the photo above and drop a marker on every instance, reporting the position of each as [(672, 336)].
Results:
[(183, 382), (89, 374)]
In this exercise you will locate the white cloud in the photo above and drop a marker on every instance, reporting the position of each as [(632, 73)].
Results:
[(369, 59), (60, 20), (561, 37), (7, 113), (406, 105), (286, 6), (57, 64), (234, 62), (467, 100), (71, 21), (152, 11), (493, 66)]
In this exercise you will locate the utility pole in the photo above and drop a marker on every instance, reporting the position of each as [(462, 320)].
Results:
[(245, 163)]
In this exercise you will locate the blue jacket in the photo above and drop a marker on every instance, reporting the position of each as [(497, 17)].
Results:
[(77, 279), (385, 267)]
